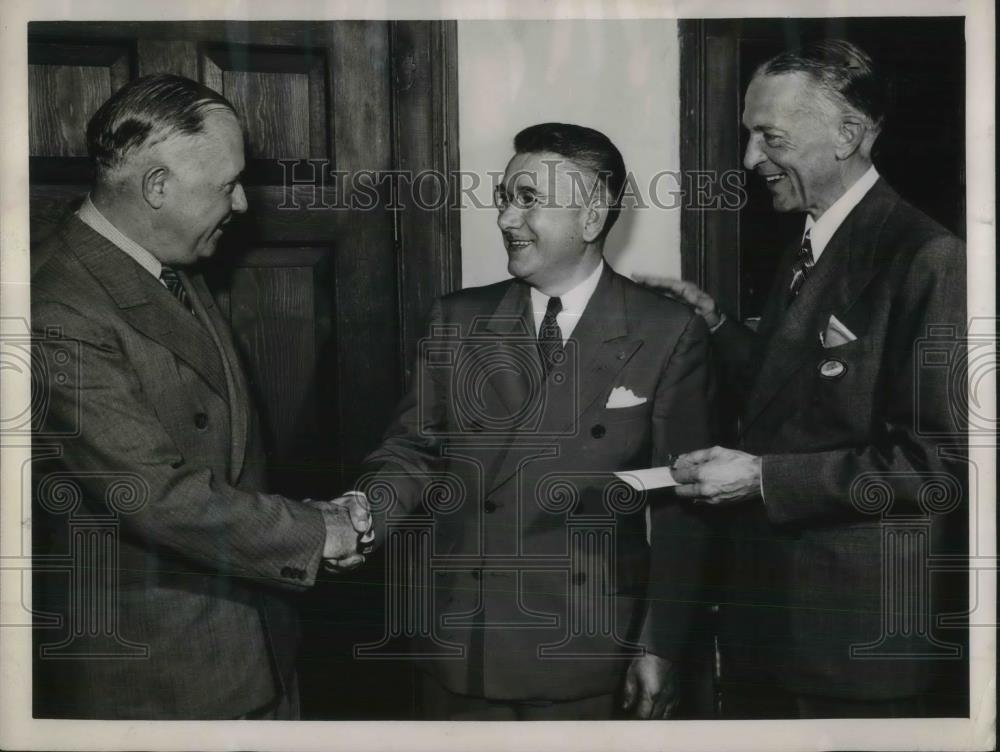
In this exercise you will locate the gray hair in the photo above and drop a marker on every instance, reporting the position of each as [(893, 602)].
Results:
[(145, 112), (842, 71)]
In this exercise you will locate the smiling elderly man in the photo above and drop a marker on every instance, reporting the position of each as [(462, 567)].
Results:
[(838, 400)]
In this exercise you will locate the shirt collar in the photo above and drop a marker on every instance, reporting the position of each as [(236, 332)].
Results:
[(92, 217), (821, 230), (573, 302)]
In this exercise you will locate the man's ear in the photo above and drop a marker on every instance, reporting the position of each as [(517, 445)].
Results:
[(594, 219), (154, 182), (850, 136)]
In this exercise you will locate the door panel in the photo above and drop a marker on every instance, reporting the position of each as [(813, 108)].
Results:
[(66, 85), (326, 303), (280, 93)]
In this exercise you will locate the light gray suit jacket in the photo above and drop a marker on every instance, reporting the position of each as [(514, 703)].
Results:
[(144, 418)]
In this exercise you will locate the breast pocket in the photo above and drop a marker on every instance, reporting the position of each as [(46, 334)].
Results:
[(618, 438), (622, 414), (843, 382)]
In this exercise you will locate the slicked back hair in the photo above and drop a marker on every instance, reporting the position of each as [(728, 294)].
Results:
[(145, 112), (843, 71), (587, 148)]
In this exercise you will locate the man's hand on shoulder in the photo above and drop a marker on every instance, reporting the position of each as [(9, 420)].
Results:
[(687, 292)]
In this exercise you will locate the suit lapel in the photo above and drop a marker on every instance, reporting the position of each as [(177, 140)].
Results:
[(603, 347), (512, 324), (847, 265), (145, 304), (236, 385)]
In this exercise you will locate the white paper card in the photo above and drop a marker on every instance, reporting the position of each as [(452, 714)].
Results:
[(648, 479)]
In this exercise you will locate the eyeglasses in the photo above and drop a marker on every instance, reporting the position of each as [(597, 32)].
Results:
[(524, 199)]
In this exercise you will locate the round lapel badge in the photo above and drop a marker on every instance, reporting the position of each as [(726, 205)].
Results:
[(832, 368)]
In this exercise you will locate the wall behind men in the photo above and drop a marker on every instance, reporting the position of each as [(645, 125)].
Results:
[(620, 77)]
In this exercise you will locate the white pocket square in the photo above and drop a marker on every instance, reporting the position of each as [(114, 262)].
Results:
[(836, 334), (622, 396)]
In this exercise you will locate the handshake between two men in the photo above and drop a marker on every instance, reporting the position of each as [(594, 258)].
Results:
[(349, 533)]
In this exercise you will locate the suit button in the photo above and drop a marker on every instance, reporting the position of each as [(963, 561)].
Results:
[(475, 574), (598, 431), (200, 421), (490, 506), (579, 578), (177, 463)]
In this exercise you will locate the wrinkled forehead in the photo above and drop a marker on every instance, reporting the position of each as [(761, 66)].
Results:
[(773, 95)]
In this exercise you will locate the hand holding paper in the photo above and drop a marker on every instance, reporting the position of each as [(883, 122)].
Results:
[(648, 479), (717, 475)]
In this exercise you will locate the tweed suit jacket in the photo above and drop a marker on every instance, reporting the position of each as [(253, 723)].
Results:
[(543, 581), (854, 439), (149, 422)]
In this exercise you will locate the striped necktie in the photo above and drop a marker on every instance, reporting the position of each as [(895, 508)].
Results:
[(800, 269), (173, 282), (550, 341)]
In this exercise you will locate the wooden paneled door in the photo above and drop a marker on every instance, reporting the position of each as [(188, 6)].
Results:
[(326, 302)]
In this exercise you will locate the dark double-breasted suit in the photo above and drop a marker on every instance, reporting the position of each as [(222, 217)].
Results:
[(147, 424), (542, 577), (828, 586)]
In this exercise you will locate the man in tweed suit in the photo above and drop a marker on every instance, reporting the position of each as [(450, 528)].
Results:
[(185, 612)]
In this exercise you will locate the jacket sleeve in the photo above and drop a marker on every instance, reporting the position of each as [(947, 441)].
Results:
[(679, 533), (400, 469), (922, 408), (122, 454), (734, 344)]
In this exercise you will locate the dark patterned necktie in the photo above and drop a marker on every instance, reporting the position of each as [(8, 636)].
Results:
[(550, 341), (173, 282), (800, 269)]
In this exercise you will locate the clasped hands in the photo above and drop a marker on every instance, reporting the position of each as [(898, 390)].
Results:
[(349, 533)]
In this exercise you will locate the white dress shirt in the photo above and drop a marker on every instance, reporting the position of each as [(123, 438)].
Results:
[(573, 304), (92, 217), (822, 229)]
